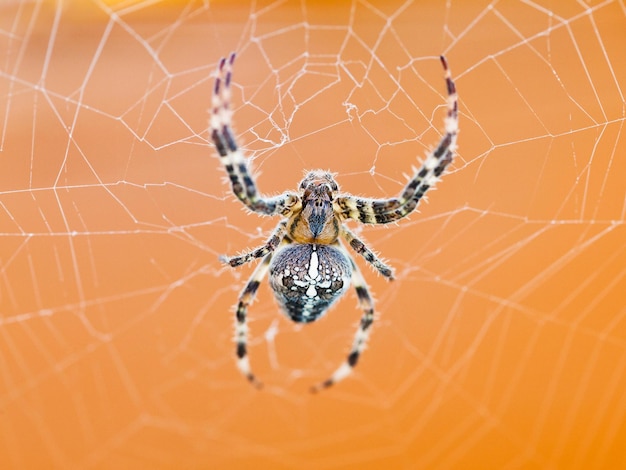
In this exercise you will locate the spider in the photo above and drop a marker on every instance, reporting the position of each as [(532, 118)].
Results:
[(309, 267)]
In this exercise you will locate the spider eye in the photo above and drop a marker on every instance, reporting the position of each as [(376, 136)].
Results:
[(331, 181)]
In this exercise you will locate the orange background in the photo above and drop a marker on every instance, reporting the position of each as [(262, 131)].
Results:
[(502, 343)]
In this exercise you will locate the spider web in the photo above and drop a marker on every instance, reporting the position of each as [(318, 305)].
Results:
[(502, 343)]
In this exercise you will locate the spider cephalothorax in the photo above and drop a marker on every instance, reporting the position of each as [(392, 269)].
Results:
[(317, 221), (309, 268)]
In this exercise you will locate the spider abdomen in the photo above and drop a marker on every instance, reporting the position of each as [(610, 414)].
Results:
[(308, 278)]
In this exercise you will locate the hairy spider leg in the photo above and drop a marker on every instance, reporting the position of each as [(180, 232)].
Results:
[(234, 162), (269, 247), (241, 323), (384, 211), (361, 248), (221, 115)]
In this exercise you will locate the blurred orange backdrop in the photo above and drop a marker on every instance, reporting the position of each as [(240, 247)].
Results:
[(502, 343)]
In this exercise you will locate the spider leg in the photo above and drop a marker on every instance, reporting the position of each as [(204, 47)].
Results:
[(367, 305), (234, 162), (272, 243), (362, 249), (241, 324), (384, 211)]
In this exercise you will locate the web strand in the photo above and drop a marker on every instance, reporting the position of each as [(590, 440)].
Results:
[(502, 341)]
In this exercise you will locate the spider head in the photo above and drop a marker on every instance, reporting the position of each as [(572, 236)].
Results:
[(317, 200), (318, 178)]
